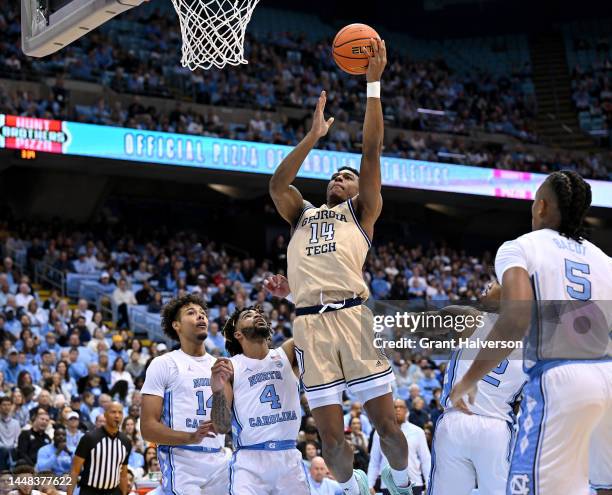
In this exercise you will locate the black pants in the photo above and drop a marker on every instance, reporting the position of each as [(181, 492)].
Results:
[(86, 490), (121, 388)]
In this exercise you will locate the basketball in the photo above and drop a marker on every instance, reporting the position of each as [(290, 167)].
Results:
[(351, 48)]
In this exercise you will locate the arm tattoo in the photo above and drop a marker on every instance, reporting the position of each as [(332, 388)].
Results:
[(221, 414)]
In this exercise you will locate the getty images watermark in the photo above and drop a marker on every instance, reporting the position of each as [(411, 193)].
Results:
[(558, 329), (436, 324)]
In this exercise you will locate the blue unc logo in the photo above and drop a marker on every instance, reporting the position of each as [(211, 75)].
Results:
[(520, 484)]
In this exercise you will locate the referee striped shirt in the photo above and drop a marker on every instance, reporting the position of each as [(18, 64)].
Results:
[(104, 455)]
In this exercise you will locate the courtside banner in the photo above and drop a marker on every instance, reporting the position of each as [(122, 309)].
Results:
[(71, 138)]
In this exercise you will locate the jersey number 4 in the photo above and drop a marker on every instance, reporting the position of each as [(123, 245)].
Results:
[(201, 406), (269, 395)]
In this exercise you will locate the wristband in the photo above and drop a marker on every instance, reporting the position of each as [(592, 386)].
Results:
[(374, 89), (289, 298)]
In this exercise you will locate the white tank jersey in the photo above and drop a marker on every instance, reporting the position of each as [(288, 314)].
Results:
[(499, 389), (572, 283), (183, 381), (266, 405)]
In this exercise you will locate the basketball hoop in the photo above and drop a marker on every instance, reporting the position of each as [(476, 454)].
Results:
[(213, 31)]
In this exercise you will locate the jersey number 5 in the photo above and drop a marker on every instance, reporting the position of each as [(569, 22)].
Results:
[(269, 395), (573, 272)]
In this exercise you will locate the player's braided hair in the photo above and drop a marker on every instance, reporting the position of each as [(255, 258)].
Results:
[(232, 345), (574, 198), (170, 312)]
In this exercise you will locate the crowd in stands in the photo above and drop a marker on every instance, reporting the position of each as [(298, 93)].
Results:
[(592, 94), (262, 128), (61, 364), (285, 69), (289, 70)]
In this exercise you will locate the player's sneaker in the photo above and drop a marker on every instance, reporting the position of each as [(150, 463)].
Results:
[(362, 482), (387, 478)]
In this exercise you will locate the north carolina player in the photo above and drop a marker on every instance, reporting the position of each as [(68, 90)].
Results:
[(176, 406), (259, 391), (476, 448), (568, 400), (333, 330)]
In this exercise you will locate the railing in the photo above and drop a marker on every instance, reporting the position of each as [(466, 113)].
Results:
[(51, 276)]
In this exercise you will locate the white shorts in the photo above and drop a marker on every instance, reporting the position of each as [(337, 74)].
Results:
[(185, 472), (561, 410), (268, 472), (470, 450), (600, 454)]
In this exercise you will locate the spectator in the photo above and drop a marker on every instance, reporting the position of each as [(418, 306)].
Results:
[(55, 456), (23, 297), (121, 380), (123, 297), (31, 441), (156, 303), (73, 433), (20, 410), (145, 294), (135, 367), (358, 438), (22, 476), (356, 412), (418, 415), (92, 381), (419, 458), (84, 310), (9, 433), (215, 339), (320, 483), (428, 383)]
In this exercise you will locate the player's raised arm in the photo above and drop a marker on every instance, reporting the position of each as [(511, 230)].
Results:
[(287, 198), (223, 395), (369, 203)]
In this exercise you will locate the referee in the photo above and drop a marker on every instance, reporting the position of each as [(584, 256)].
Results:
[(103, 454)]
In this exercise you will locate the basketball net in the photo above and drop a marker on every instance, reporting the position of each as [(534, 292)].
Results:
[(213, 31)]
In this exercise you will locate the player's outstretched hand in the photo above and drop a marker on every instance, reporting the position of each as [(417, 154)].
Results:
[(458, 393), (222, 372), (320, 126), (205, 430), (277, 285), (378, 60)]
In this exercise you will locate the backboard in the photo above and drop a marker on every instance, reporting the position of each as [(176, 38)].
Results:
[(49, 25)]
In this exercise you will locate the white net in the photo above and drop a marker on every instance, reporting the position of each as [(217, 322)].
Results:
[(213, 31)]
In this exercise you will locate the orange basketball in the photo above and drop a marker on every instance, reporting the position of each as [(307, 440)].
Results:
[(352, 49)]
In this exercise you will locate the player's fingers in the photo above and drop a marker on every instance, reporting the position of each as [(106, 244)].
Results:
[(374, 46), (330, 121)]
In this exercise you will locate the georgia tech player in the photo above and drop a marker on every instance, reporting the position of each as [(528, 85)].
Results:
[(333, 330), (176, 406), (259, 391), (568, 400)]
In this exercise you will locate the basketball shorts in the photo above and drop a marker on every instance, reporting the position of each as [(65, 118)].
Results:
[(563, 410), (600, 454), (470, 450), (268, 472), (336, 350), (185, 472)]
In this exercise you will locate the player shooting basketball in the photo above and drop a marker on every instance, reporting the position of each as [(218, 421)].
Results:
[(333, 330)]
